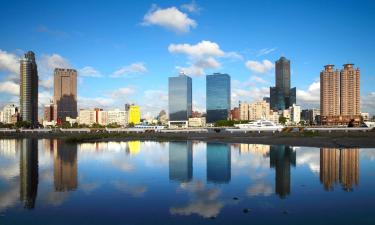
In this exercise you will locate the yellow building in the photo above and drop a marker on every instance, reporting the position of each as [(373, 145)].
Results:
[(134, 114)]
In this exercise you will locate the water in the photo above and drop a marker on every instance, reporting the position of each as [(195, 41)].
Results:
[(51, 182)]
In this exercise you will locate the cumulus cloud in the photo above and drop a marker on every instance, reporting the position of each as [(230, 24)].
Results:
[(249, 94), (10, 87), (135, 68), (311, 96), (154, 107), (368, 103), (169, 18), (191, 7), (9, 62), (89, 71), (46, 66), (264, 66), (201, 56), (201, 49)]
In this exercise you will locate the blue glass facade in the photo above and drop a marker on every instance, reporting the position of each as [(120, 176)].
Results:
[(217, 97), (179, 97)]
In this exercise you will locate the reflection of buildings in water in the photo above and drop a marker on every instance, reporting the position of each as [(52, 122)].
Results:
[(28, 172), (218, 163), (339, 165), (133, 148), (180, 161), (111, 146), (50, 145), (8, 147), (255, 149), (282, 158), (65, 166)]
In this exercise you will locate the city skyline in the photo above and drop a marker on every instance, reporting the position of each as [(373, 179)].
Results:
[(135, 68)]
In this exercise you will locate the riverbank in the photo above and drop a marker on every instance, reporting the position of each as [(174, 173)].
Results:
[(316, 139)]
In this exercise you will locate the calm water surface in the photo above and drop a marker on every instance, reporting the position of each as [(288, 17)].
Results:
[(51, 182)]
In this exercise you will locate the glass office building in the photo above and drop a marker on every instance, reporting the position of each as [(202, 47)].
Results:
[(179, 98), (217, 97), (282, 96)]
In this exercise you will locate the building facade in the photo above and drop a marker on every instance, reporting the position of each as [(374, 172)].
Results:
[(180, 98), (134, 114), (65, 92), (218, 97), (29, 89), (7, 113), (340, 95), (282, 96)]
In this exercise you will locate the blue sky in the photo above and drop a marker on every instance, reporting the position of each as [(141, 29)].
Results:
[(124, 51)]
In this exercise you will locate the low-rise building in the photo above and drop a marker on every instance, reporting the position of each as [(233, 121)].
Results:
[(134, 114), (8, 111), (117, 116), (197, 122), (87, 116), (295, 114)]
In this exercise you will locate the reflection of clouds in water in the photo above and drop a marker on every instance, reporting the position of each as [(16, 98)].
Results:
[(155, 154), (260, 189), (367, 153), (204, 201), (89, 187), (55, 198), (9, 170), (134, 190), (123, 165), (10, 197), (310, 157)]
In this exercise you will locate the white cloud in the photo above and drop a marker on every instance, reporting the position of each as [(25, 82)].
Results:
[(191, 7), (311, 97), (260, 189), (169, 18), (89, 71), (10, 87), (201, 56), (259, 67), (251, 94), (265, 51), (201, 49), (101, 102), (46, 66), (9, 62), (135, 68), (154, 102), (122, 92), (368, 103)]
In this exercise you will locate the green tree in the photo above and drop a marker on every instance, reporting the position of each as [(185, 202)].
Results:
[(224, 123), (131, 124), (23, 124), (282, 120)]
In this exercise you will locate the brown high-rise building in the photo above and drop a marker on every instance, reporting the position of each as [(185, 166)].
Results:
[(65, 92), (349, 91), (330, 91), (340, 95)]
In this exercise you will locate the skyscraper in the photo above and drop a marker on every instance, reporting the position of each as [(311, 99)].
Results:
[(350, 90), (218, 97), (282, 96), (65, 92), (340, 95), (180, 97), (330, 91), (29, 89)]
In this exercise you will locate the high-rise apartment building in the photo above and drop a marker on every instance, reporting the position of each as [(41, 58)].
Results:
[(29, 89), (340, 95), (282, 96), (180, 98), (65, 92), (350, 90), (218, 99)]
